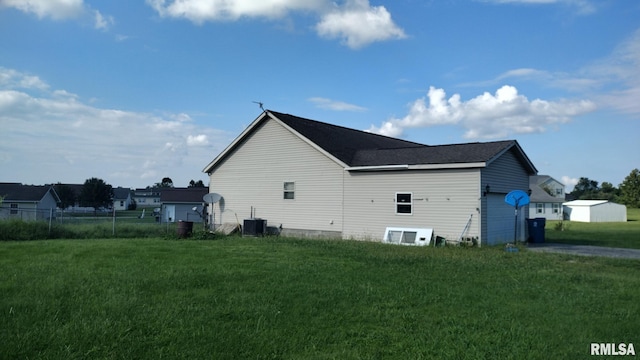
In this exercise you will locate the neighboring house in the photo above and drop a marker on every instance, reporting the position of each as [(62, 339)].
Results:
[(547, 196), (178, 204), (316, 179), (147, 197), (122, 198), (27, 202), (594, 211)]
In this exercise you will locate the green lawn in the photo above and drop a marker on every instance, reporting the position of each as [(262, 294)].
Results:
[(271, 298), (623, 235)]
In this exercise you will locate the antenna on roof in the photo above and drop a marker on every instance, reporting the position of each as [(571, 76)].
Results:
[(259, 104)]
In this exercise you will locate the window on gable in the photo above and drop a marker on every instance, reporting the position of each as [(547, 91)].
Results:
[(404, 203), (289, 190)]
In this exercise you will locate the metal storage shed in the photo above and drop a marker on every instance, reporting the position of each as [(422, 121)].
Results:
[(594, 211)]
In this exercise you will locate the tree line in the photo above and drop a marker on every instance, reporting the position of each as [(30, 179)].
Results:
[(628, 192), (96, 193)]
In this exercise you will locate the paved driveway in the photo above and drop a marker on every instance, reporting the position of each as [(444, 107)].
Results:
[(586, 250)]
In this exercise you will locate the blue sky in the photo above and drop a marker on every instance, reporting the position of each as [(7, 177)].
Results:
[(134, 91)]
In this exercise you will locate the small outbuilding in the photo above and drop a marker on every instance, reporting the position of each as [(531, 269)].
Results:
[(178, 204), (594, 211)]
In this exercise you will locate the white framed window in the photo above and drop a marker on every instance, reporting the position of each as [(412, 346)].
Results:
[(556, 208), (404, 203), (289, 190), (559, 191), (540, 208)]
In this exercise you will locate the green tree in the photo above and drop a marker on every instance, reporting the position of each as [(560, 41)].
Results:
[(608, 192), (96, 194), (66, 195), (630, 189), (165, 183), (196, 184), (585, 189)]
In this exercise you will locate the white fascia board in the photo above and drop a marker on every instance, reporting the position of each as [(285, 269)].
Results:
[(417, 167), (376, 168), (448, 166)]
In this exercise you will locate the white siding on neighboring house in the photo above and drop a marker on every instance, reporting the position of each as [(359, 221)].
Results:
[(439, 197), (255, 178)]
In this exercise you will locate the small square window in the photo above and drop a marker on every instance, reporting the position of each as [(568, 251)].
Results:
[(289, 190), (404, 203)]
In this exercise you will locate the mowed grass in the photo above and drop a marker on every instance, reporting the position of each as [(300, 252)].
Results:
[(239, 298), (613, 234)]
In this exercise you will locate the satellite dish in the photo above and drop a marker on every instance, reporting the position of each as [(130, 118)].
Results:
[(211, 198), (517, 198)]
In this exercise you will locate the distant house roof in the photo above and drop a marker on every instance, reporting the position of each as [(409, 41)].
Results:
[(16, 192), (183, 195), (538, 194), (121, 193), (358, 149)]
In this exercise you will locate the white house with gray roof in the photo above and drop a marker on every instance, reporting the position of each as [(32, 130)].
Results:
[(547, 196), (311, 178)]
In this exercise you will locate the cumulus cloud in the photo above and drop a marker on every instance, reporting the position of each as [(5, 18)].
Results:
[(569, 182), (53, 135), (59, 10), (486, 116), (329, 104), (356, 23), (359, 24)]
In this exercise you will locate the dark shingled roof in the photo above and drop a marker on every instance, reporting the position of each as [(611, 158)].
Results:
[(24, 193), (183, 195), (360, 148)]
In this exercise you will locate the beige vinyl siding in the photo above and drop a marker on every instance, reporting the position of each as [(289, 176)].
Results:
[(255, 173), (503, 175), (442, 200)]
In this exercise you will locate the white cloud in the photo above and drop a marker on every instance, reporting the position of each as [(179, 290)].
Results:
[(103, 22), (356, 23), (60, 10), (621, 70), (359, 24), (55, 9), (199, 11), (53, 135), (569, 182), (329, 104), (488, 115), (583, 7), (197, 140)]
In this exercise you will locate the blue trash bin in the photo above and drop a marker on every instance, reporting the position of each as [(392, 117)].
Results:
[(536, 229)]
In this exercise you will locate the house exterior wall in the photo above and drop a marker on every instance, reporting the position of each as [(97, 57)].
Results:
[(180, 212), (29, 210), (122, 204), (253, 176), (443, 200), (549, 211), (503, 175)]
